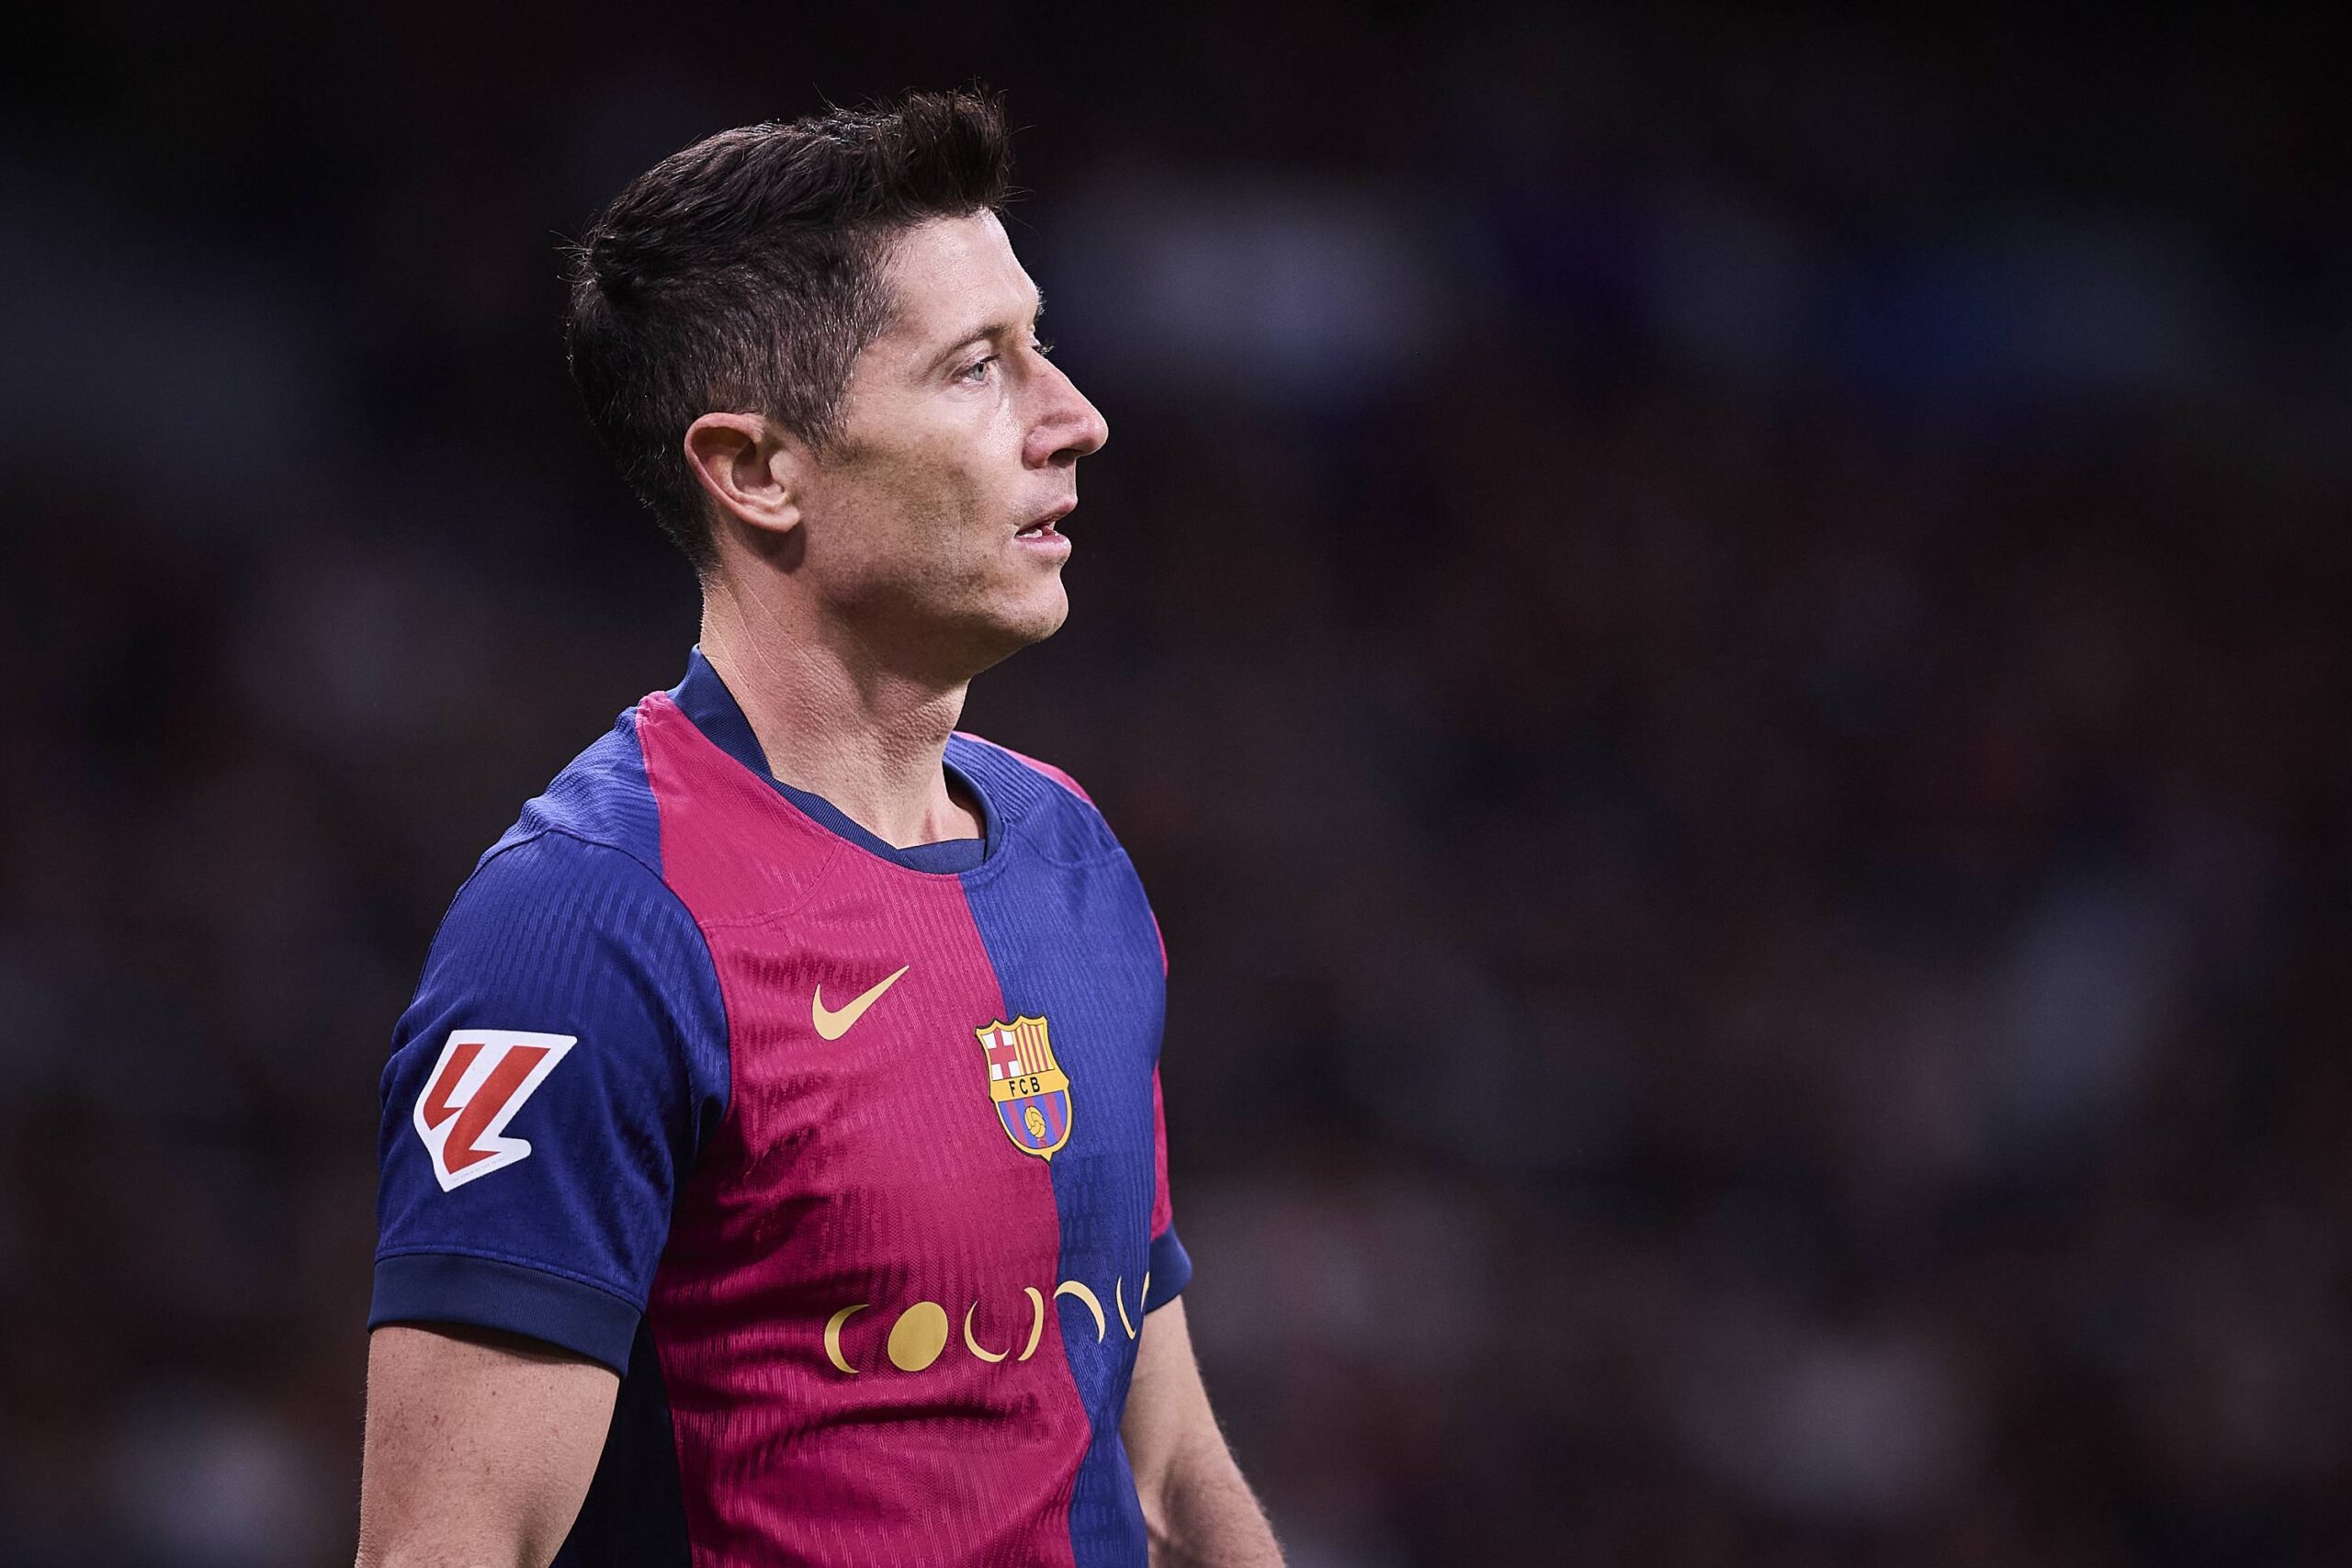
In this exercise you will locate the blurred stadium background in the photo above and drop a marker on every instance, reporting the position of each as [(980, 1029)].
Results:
[(1723, 643)]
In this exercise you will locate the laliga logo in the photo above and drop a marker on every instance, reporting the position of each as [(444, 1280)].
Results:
[(481, 1082)]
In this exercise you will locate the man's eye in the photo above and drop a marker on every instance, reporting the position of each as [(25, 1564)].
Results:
[(977, 371), (1042, 346)]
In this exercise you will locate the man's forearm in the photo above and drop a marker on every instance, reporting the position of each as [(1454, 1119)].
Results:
[(1208, 1517)]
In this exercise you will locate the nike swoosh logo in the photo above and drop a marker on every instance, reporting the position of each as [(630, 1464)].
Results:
[(832, 1025)]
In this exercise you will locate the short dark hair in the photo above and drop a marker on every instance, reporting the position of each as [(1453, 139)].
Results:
[(744, 275)]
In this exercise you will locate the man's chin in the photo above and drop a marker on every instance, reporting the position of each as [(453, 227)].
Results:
[(1037, 622), (1012, 627)]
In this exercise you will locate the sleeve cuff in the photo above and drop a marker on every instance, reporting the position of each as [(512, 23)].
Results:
[(447, 1287), (1171, 1270)]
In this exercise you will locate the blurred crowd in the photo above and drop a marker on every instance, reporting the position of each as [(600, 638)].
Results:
[(1722, 647)]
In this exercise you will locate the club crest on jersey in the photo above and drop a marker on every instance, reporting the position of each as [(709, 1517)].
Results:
[(1031, 1092), (481, 1082)]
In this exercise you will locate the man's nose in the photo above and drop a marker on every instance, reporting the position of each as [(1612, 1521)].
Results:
[(1070, 428)]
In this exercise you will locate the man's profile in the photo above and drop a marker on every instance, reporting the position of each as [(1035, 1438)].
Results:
[(773, 1163)]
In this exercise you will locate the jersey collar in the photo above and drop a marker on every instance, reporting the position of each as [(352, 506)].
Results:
[(703, 697)]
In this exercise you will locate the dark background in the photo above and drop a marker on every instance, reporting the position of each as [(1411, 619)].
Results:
[(1722, 642)]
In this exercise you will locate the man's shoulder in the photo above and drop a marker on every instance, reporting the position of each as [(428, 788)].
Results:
[(1045, 804), (980, 753), (580, 868), (600, 800)]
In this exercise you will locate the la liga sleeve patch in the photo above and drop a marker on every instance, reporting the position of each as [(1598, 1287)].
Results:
[(482, 1079)]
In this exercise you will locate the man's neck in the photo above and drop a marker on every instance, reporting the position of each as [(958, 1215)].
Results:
[(838, 723)]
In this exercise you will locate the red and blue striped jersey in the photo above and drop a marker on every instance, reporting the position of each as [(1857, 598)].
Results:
[(849, 1159)]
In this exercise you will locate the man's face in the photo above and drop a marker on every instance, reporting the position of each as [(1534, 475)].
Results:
[(930, 525)]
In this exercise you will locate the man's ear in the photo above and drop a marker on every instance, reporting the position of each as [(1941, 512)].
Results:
[(752, 472)]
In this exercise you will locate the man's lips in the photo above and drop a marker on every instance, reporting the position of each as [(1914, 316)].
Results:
[(1045, 528)]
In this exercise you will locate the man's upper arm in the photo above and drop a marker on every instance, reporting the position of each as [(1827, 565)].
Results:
[(478, 1448), (1167, 1414), (550, 1088), (1167, 1409), (1197, 1508)]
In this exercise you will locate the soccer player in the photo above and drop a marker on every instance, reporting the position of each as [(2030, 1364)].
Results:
[(772, 1164)]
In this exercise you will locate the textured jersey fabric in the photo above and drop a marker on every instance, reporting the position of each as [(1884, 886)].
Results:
[(849, 1159)]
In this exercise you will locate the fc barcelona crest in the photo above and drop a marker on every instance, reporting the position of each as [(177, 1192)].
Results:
[(1031, 1092)]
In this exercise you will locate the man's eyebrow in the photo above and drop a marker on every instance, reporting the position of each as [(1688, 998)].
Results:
[(995, 328)]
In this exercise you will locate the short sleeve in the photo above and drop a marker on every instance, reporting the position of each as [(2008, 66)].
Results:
[(562, 1062), (1171, 1266)]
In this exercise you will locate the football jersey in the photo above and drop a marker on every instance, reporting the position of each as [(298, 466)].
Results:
[(848, 1158)]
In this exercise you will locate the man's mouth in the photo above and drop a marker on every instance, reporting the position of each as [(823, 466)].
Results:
[(1045, 528)]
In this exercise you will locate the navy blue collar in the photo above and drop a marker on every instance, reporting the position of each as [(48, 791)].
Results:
[(703, 697)]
